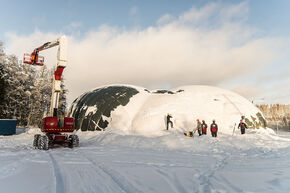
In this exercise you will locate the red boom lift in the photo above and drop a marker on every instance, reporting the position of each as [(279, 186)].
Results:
[(54, 127)]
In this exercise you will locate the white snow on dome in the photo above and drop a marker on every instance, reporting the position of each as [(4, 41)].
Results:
[(146, 112)]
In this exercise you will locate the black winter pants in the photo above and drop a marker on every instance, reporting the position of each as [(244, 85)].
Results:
[(199, 132), (171, 124), (214, 133), (243, 131)]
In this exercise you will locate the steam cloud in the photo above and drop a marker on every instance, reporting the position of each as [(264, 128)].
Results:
[(201, 46)]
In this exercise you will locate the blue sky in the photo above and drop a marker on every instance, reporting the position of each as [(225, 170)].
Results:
[(256, 32), (26, 16)]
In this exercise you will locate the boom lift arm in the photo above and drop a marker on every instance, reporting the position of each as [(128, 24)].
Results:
[(35, 59), (51, 125)]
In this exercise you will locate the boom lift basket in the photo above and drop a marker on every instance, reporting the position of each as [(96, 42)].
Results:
[(30, 59)]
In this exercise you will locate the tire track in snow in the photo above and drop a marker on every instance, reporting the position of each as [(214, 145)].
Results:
[(59, 183), (116, 177), (11, 168), (120, 180), (205, 178), (177, 187), (205, 182)]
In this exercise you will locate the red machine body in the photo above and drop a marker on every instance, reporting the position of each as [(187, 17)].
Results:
[(55, 129), (55, 125)]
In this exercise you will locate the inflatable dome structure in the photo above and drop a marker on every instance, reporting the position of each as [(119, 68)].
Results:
[(136, 110)]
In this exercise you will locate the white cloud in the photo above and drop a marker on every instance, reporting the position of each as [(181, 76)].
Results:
[(248, 92), (177, 53), (72, 28), (165, 19), (235, 12), (195, 15)]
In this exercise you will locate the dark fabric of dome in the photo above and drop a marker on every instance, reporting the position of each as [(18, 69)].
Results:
[(104, 100)]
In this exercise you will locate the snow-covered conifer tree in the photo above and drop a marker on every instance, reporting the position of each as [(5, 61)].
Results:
[(25, 91), (40, 96), (2, 81), (62, 100)]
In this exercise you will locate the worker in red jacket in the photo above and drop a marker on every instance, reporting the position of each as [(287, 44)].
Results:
[(203, 127), (214, 129), (242, 126)]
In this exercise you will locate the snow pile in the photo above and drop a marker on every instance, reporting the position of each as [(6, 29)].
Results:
[(175, 140), (145, 113)]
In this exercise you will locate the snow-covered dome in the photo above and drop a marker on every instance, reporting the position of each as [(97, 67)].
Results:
[(136, 110)]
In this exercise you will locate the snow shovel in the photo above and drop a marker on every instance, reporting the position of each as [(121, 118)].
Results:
[(190, 134), (234, 129)]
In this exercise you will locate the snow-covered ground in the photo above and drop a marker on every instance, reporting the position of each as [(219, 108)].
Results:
[(112, 161)]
